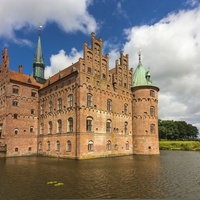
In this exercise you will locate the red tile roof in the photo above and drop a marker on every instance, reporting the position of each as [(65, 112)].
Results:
[(23, 78)]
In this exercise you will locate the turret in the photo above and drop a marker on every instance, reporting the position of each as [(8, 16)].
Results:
[(38, 63), (145, 112)]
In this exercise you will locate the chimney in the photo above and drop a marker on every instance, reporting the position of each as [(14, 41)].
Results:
[(20, 69)]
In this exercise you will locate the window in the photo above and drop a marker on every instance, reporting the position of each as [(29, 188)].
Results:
[(32, 111), (15, 103), (152, 128), (16, 149), (89, 100), (59, 104), (127, 145), (41, 128), (48, 146), (57, 145), (70, 100), (33, 94), (116, 147), (90, 145), (108, 126), (126, 127), (108, 145), (42, 109), (152, 93), (125, 108), (152, 111), (15, 91), (15, 116), (59, 126), (69, 146), (50, 127), (70, 124), (50, 106), (89, 124), (89, 70), (104, 76), (29, 149), (40, 146), (31, 129), (109, 104), (16, 131)]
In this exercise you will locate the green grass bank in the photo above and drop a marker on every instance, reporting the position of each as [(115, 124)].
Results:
[(179, 145)]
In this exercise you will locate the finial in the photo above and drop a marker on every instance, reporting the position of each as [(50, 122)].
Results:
[(39, 28), (139, 54)]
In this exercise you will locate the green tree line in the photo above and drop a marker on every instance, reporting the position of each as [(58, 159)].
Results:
[(173, 130)]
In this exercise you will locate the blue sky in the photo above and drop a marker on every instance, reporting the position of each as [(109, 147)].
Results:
[(167, 31)]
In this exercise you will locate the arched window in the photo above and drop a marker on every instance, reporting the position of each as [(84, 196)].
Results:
[(69, 146), (89, 100), (116, 146), (108, 145), (31, 129), (40, 145), (59, 126), (108, 126), (16, 149), (109, 104), (125, 108), (41, 128), (152, 128), (48, 146), (16, 131), (50, 127), (152, 111), (89, 124), (59, 104), (126, 127), (127, 145), (70, 124), (90, 145), (57, 145), (29, 149)]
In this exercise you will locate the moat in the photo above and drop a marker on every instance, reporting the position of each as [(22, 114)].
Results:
[(172, 174)]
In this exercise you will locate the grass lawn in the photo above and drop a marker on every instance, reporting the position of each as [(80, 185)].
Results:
[(179, 145)]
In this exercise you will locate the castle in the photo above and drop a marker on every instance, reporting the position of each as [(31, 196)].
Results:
[(84, 111)]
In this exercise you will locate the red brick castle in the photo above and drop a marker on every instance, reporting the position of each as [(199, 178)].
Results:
[(84, 111)]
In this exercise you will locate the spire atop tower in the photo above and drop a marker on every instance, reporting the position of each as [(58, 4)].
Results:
[(139, 54), (38, 63)]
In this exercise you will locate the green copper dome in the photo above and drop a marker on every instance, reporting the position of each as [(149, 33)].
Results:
[(141, 77)]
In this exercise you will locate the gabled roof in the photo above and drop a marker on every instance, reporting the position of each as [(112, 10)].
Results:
[(61, 74), (23, 78)]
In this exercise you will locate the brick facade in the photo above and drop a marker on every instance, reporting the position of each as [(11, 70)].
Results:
[(85, 111)]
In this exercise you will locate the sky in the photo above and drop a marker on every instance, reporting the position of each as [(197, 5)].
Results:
[(166, 31)]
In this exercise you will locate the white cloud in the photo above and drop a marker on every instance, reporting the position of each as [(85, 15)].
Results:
[(19, 14), (171, 49), (61, 60)]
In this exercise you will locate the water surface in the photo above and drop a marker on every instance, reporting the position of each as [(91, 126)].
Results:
[(173, 174)]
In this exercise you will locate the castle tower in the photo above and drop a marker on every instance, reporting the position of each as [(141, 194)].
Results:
[(145, 112), (38, 63)]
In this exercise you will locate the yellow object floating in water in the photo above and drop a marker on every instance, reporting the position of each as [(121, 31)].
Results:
[(51, 182), (55, 183), (58, 184)]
